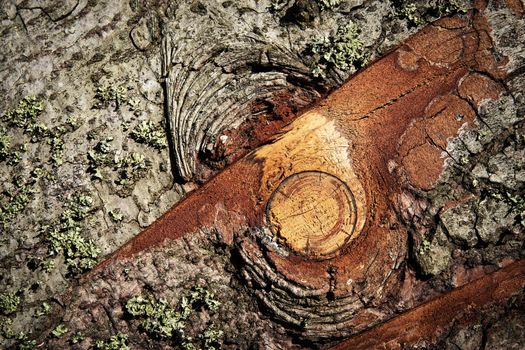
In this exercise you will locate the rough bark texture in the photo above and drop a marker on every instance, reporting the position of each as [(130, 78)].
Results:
[(428, 140)]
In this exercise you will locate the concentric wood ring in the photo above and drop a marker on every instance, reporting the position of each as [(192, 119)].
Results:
[(313, 213)]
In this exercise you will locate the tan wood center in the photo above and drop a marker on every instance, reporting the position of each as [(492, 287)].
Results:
[(313, 213)]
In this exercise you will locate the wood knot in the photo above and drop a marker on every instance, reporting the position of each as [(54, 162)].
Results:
[(313, 213)]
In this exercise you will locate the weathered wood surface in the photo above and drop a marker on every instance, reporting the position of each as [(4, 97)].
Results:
[(215, 87), (315, 215), (430, 320)]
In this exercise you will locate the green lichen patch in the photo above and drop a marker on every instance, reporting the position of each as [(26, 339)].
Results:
[(65, 237), (450, 7), (200, 296), (515, 201), (73, 122), (210, 337), (158, 318), (7, 332), (116, 215), (15, 198), (150, 134), (47, 265), (78, 207), (27, 344), (19, 190), (43, 310), (124, 171), (6, 327), (108, 94), (9, 303), (116, 95), (5, 142), (37, 262), (433, 256), (25, 114), (410, 12), (342, 50), (418, 13), (102, 155), (130, 169), (161, 321), (8, 153), (80, 253), (328, 4), (115, 342), (56, 143), (14, 202), (59, 330), (277, 5), (76, 338)]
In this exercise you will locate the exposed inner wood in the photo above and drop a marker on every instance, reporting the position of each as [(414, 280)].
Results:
[(313, 212)]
